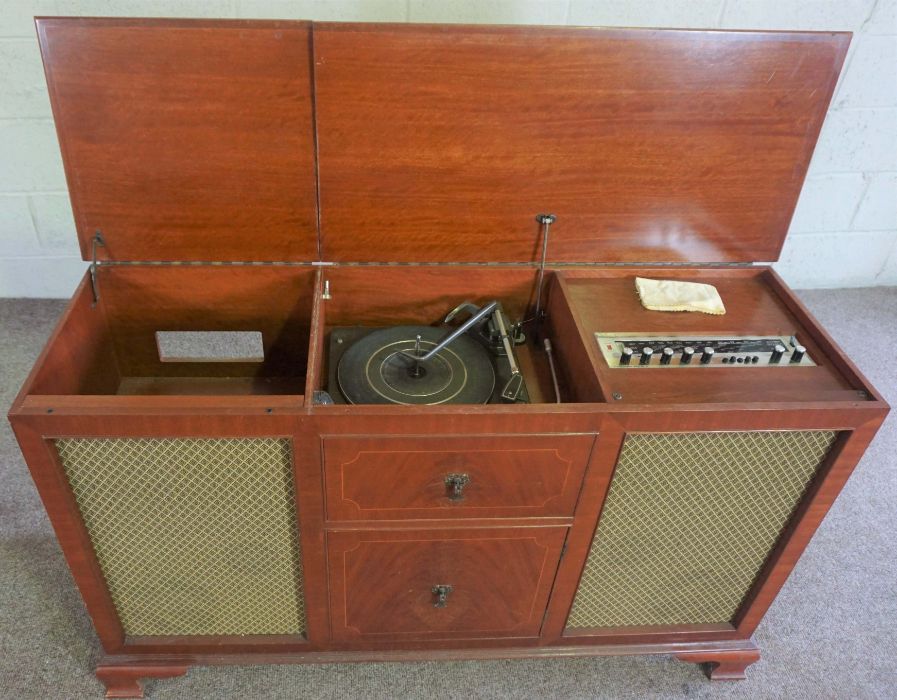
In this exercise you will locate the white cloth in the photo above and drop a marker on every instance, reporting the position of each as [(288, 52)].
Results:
[(673, 295)]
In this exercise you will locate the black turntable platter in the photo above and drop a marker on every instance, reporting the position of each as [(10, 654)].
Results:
[(373, 370)]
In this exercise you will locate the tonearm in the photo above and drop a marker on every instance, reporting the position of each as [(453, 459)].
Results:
[(492, 329)]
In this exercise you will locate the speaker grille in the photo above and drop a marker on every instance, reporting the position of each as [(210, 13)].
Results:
[(689, 521), (194, 536)]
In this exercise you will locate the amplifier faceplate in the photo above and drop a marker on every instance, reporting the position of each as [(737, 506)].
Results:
[(669, 350)]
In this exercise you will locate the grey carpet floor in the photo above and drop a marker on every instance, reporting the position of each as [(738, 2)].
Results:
[(832, 633)]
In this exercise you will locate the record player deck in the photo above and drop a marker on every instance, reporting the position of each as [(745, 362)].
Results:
[(473, 363)]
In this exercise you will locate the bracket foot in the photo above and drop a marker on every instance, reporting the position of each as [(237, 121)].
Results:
[(722, 665), (125, 681)]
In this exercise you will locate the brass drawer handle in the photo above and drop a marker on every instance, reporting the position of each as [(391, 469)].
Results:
[(441, 592), (455, 483)]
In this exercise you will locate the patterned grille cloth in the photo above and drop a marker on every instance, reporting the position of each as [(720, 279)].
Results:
[(689, 521), (194, 536)]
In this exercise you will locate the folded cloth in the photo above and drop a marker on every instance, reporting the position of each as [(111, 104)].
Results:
[(672, 295)]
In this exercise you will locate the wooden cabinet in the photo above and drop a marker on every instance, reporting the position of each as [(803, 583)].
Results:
[(441, 584), (379, 477), (288, 179)]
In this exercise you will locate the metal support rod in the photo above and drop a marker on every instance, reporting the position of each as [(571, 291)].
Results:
[(554, 374), (546, 220), (97, 240)]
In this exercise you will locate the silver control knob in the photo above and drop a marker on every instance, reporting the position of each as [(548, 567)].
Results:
[(707, 355), (798, 354), (666, 356), (777, 352), (646, 356), (625, 356), (688, 353)]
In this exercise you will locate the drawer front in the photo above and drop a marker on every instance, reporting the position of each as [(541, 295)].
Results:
[(375, 478), (495, 582)]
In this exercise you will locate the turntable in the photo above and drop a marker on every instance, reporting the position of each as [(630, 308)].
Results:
[(473, 363)]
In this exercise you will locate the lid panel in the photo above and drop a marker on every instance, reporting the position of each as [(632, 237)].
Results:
[(186, 140), (441, 143)]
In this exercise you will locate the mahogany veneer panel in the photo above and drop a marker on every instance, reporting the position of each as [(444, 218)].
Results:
[(381, 581), (377, 477), (186, 140), (386, 295), (274, 300), (79, 356), (210, 386), (441, 143)]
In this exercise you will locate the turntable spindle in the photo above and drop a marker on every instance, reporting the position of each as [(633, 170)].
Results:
[(416, 370)]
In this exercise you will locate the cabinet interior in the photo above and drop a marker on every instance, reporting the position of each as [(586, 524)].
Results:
[(584, 302), (111, 347)]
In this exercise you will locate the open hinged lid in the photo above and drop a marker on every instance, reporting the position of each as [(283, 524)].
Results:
[(287, 141), (442, 143), (186, 140)]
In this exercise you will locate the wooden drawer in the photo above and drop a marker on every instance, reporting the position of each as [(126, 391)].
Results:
[(381, 582), (372, 478)]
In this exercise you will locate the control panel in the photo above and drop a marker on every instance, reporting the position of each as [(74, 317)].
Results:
[(644, 350)]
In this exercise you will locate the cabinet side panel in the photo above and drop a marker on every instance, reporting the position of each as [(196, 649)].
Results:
[(193, 536), (79, 357)]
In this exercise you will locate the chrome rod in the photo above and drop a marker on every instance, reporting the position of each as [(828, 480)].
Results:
[(554, 374), (546, 220), (97, 240)]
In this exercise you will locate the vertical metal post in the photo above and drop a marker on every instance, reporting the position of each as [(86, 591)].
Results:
[(97, 240), (546, 220)]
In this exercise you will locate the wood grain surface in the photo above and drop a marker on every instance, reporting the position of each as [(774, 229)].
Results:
[(381, 582), (186, 140), (275, 300), (442, 143), (379, 477)]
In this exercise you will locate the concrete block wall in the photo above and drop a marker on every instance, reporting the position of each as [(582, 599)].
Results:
[(844, 232)]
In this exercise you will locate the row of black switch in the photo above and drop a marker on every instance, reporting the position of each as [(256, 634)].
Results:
[(746, 360), (666, 356), (688, 353)]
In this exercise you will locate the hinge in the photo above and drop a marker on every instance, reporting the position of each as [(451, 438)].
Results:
[(460, 263), (97, 240), (215, 263), (527, 264), (563, 550), (648, 263), (420, 263)]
